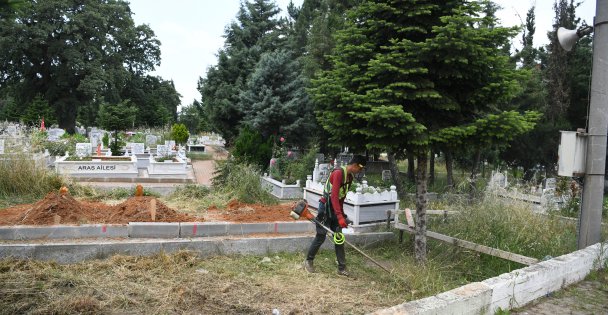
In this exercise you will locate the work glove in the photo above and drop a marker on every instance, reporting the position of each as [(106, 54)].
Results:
[(342, 222)]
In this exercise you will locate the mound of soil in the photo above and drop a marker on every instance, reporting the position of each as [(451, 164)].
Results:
[(64, 209), (241, 212)]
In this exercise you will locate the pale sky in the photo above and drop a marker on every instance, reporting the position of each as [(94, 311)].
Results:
[(190, 32)]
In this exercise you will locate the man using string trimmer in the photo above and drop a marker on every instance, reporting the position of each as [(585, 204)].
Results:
[(331, 212)]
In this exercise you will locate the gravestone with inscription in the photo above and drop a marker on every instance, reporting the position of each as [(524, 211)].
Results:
[(83, 149), (151, 140), (162, 150), (137, 147), (95, 137), (170, 144), (53, 134)]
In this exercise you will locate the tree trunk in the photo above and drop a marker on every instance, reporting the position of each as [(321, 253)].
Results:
[(421, 204), (432, 168), (66, 112), (474, 171), (392, 164), (410, 167), (449, 169)]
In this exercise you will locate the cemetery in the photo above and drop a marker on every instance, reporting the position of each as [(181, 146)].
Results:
[(333, 158)]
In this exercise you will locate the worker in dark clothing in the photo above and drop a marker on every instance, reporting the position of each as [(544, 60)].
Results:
[(331, 211)]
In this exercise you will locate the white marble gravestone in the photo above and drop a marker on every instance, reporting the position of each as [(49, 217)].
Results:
[(137, 147), (12, 130), (1, 146), (95, 137), (53, 134), (170, 144), (83, 149), (151, 140), (550, 183), (162, 150)]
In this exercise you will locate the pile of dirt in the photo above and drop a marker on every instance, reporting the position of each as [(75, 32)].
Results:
[(240, 212), (58, 208)]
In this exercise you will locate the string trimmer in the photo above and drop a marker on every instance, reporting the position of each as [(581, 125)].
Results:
[(300, 209)]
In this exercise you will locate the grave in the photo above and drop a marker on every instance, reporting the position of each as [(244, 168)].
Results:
[(367, 205), (54, 134), (98, 167)]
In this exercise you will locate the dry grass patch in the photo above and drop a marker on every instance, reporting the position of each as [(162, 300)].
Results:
[(183, 283)]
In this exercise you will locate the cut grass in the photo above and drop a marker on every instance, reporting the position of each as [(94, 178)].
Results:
[(183, 283)]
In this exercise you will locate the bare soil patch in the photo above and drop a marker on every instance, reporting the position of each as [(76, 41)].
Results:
[(56, 208)]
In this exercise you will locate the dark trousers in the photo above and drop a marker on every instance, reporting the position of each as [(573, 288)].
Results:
[(331, 223)]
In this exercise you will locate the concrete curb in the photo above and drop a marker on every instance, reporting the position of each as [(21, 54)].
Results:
[(73, 252), (509, 290), (150, 230)]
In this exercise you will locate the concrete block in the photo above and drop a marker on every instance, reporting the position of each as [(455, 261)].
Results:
[(202, 229), (153, 230), (249, 246), (247, 228), (294, 227), (17, 251), (66, 253), (291, 244)]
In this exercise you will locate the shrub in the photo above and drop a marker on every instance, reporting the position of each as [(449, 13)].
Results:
[(251, 148), (180, 133), (241, 181)]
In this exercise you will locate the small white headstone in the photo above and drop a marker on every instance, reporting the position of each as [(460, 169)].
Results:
[(499, 180), (324, 171), (109, 153), (181, 153), (12, 130), (170, 144), (137, 147), (151, 140), (1, 146), (53, 134), (95, 138), (162, 150), (83, 149), (550, 183)]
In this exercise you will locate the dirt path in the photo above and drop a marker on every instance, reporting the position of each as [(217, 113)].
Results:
[(203, 170), (585, 297)]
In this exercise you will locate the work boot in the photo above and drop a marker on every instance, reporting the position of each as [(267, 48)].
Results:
[(308, 266), (344, 272)]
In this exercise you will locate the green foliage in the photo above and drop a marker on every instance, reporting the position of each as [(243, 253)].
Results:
[(25, 179), (274, 100), (250, 147), (116, 117), (180, 133), (256, 30), (105, 139), (240, 181), (77, 74), (37, 110)]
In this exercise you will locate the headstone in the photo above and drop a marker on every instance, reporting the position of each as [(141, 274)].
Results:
[(550, 183), (1, 146), (137, 147), (151, 140), (344, 158), (162, 150), (95, 137), (320, 157), (83, 149), (498, 180), (80, 130), (181, 153), (12, 130), (324, 170), (53, 134), (109, 153), (170, 144), (386, 175)]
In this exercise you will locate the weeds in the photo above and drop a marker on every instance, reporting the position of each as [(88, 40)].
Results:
[(24, 178), (240, 181)]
